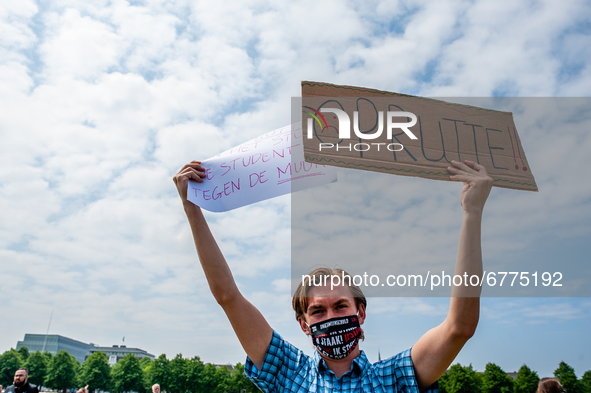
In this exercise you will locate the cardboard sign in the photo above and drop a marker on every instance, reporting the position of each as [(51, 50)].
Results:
[(395, 133), (265, 167)]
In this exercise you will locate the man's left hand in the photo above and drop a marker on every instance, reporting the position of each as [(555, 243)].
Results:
[(477, 184)]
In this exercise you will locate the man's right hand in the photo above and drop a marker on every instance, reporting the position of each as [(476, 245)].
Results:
[(193, 171)]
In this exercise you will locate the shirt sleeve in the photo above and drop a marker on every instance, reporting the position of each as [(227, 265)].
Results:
[(283, 364), (398, 372)]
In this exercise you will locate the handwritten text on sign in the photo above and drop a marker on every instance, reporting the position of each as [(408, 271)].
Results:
[(265, 167), (408, 135)]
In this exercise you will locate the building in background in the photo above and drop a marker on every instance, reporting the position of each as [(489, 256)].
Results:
[(54, 343), (117, 352)]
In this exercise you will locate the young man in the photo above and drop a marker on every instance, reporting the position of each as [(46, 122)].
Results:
[(276, 366)]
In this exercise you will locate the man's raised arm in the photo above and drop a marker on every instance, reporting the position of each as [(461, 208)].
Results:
[(435, 351), (248, 323)]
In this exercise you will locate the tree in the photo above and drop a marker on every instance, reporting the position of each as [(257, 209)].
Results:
[(37, 365), (586, 382), (495, 380), (239, 382), (48, 357), (222, 377), (159, 372), (128, 376), (24, 351), (526, 381), (195, 369), (566, 375), (10, 361), (209, 381), (458, 379), (62, 371), (145, 363), (96, 372), (178, 374)]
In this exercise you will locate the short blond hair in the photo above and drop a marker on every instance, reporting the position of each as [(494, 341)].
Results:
[(299, 301)]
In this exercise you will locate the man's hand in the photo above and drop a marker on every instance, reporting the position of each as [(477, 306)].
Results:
[(193, 171), (477, 184)]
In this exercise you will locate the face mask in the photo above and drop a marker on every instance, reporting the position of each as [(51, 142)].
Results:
[(336, 337)]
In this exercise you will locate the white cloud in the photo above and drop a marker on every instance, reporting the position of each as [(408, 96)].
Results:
[(282, 284), (14, 30), (511, 44), (78, 46)]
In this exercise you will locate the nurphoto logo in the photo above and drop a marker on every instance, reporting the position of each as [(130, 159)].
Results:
[(344, 131)]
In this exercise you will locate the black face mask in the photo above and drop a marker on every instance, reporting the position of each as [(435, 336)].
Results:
[(336, 337)]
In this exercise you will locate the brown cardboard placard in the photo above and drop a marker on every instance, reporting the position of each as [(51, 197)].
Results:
[(445, 131)]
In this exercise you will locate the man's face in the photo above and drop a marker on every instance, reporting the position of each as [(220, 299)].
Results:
[(325, 303), (156, 389), (20, 378)]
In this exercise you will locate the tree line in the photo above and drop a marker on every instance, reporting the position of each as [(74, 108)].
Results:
[(63, 372), (464, 379), (182, 375)]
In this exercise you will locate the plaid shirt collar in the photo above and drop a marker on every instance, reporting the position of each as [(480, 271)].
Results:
[(358, 366)]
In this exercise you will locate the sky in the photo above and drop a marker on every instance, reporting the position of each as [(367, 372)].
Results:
[(101, 102)]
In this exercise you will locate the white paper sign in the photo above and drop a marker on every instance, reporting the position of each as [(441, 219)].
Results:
[(265, 167)]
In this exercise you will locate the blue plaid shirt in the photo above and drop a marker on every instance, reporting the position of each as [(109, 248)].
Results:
[(287, 369)]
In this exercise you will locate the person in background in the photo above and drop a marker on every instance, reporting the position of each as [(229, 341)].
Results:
[(21, 383), (550, 385), (155, 388)]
